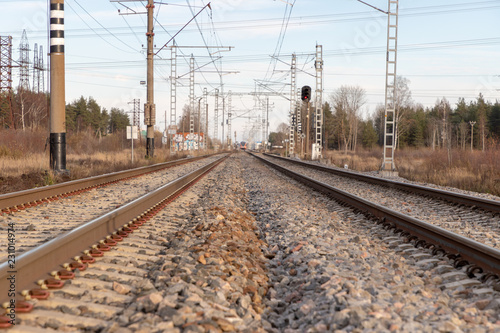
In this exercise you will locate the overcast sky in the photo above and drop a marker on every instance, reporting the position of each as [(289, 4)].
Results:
[(446, 49)]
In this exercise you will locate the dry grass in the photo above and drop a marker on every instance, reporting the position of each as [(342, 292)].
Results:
[(473, 171), (24, 158), (362, 160)]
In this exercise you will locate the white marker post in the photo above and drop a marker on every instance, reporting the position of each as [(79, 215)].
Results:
[(132, 133)]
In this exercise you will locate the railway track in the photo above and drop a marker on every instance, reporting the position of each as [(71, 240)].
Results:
[(466, 215), (74, 203), (72, 252), (466, 249), (246, 249)]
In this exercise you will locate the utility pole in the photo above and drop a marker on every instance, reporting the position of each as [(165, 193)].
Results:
[(298, 113), (24, 61), (149, 107), (205, 135), (57, 88), (41, 82), (36, 73), (199, 124), (292, 103), (229, 119), (6, 78), (191, 99), (318, 123), (223, 145), (472, 123), (388, 164), (216, 117), (173, 94), (267, 122)]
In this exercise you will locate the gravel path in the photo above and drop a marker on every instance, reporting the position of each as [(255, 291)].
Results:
[(477, 224)]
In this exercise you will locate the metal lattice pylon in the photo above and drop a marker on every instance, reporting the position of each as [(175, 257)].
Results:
[(36, 73), (5, 63), (216, 114), (191, 98), (318, 123), (292, 104), (24, 62), (6, 80), (173, 86), (298, 112), (229, 118), (205, 118), (41, 80), (390, 86)]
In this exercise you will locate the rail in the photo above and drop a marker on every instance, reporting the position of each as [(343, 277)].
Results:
[(458, 198), (462, 249), (37, 194), (34, 264)]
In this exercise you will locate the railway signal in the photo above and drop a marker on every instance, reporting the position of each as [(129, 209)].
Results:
[(306, 93)]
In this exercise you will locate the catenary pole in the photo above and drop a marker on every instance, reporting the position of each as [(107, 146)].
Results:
[(149, 107)]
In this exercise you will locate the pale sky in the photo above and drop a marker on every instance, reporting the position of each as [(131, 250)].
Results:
[(446, 49)]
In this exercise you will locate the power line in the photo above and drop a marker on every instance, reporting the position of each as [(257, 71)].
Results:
[(100, 25)]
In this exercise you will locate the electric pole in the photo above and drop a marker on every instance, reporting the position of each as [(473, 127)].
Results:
[(292, 103), (229, 119), (173, 95), (390, 87), (191, 99), (472, 123), (6, 79), (149, 107), (318, 123), (216, 118)]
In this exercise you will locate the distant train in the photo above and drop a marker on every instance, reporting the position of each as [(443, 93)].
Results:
[(243, 145)]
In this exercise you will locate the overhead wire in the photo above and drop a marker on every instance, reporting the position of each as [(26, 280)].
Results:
[(206, 45), (92, 17)]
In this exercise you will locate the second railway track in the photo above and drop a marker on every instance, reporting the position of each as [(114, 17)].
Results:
[(249, 250), (471, 216), (38, 224)]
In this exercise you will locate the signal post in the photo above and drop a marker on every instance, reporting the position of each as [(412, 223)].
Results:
[(306, 97)]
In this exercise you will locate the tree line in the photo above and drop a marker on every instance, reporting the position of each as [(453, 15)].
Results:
[(29, 110), (473, 124), (87, 115)]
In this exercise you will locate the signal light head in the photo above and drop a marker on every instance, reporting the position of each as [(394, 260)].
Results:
[(306, 93)]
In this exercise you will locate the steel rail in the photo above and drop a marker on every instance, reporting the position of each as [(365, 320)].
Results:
[(36, 194), (457, 198), (475, 253), (34, 264)]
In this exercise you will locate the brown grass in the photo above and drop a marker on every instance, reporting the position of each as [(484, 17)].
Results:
[(473, 171), (24, 159)]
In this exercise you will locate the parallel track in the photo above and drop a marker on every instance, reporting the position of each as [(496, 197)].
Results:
[(91, 238), (12, 202), (465, 251), (457, 198)]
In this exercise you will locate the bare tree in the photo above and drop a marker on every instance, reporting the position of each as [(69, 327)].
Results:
[(347, 102), (403, 105)]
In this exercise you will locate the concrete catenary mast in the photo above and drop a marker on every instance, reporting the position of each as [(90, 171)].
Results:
[(149, 107)]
